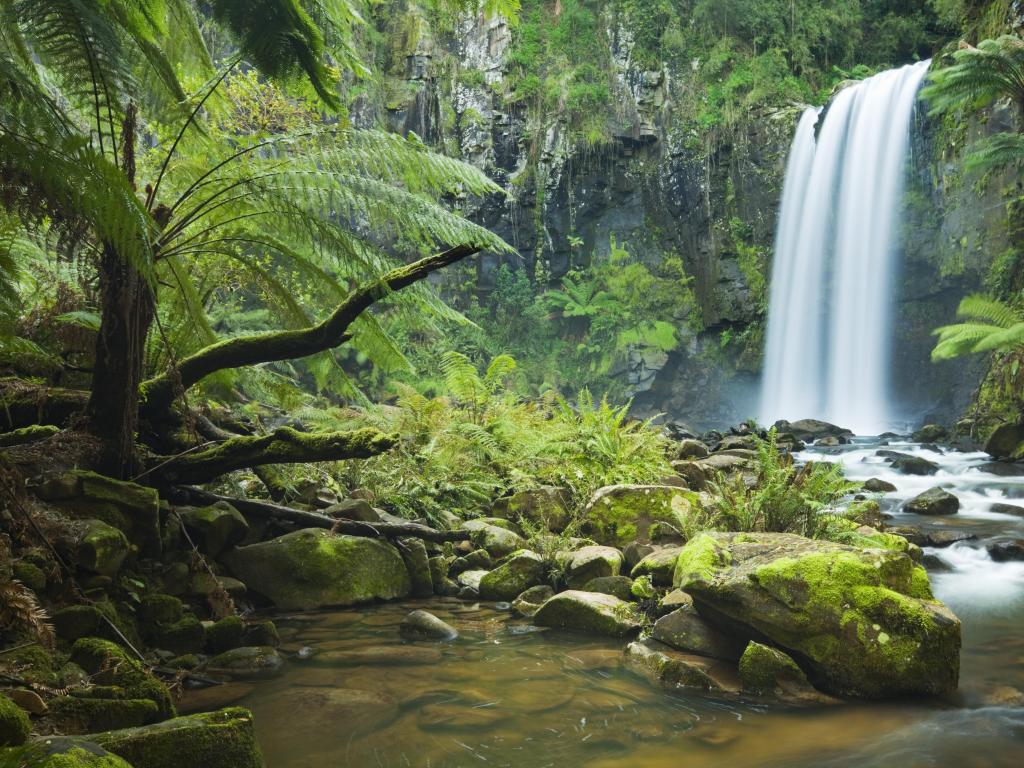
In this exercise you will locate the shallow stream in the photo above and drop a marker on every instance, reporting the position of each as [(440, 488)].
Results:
[(508, 694)]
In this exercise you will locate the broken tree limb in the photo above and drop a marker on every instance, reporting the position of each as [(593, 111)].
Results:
[(266, 509), (158, 393), (282, 446)]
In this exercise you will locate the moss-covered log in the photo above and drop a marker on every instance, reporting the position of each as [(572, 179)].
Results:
[(268, 510), (158, 393), (282, 446), (24, 403)]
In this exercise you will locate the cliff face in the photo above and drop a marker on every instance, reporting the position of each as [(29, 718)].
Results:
[(654, 183)]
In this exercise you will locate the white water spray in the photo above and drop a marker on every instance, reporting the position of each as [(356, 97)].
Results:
[(831, 302)]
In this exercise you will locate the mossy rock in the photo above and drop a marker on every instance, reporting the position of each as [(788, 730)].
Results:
[(109, 664), (860, 622), (226, 634), (214, 529), (14, 724), (590, 612), (60, 752), (80, 714), (620, 514), (312, 568), (101, 548), (222, 739), (518, 572)]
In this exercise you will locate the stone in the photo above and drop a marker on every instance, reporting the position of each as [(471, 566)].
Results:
[(588, 612), (930, 433), (60, 752), (673, 668), (684, 630), (517, 572), (691, 449), (14, 724), (81, 714), (225, 634), (934, 501), (1004, 551), (863, 622), (214, 529), (422, 625), (875, 485), (101, 548), (414, 554), (618, 586), (547, 506), (108, 664), (529, 602), (1005, 442), (619, 514), (498, 541), (354, 509), (221, 739), (471, 579), (247, 663), (312, 568), (591, 562), (659, 565)]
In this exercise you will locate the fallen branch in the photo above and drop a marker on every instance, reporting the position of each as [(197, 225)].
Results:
[(253, 349), (266, 510), (282, 446)]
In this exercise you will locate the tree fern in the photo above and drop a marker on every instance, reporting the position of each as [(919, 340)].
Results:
[(992, 325)]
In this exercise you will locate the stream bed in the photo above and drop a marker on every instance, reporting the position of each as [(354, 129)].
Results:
[(509, 694)]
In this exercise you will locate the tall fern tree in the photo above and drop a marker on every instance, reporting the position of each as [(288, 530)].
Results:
[(82, 80)]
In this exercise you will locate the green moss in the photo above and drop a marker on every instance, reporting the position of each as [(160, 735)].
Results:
[(222, 739), (14, 724), (109, 664)]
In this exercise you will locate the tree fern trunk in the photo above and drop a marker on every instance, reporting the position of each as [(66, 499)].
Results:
[(113, 409)]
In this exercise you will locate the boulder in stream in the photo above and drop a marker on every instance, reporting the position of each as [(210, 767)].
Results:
[(934, 501), (859, 622), (312, 568)]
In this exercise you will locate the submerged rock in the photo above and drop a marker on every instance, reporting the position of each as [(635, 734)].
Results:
[(422, 625), (934, 501), (222, 739), (312, 568), (861, 622), (590, 612), (519, 571)]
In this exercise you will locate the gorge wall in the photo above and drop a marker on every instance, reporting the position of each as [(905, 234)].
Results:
[(649, 168)]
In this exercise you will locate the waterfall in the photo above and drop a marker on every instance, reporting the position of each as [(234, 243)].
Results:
[(831, 302)]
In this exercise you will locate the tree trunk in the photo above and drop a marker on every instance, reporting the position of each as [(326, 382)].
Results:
[(113, 409)]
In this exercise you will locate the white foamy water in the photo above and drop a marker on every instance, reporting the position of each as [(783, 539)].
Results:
[(831, 303)]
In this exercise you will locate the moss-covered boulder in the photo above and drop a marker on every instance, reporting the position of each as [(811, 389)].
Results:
[(214, 529), (860, 622), (659, 565), (14, 724), (312, 568), (685, 630), (619, 514), (547, 506), (110, 665), (222, 739), (101, 548), (60, 752), (87, 714), (498, 541), (517, 572), (591, 562), (589, 612)]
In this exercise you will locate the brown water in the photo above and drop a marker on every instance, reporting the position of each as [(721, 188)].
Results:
[(507, 694)]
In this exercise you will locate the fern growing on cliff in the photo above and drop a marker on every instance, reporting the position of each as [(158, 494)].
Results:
[(991, 325)]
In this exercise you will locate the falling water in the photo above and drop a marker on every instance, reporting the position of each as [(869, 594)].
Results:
[(830, 312)]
